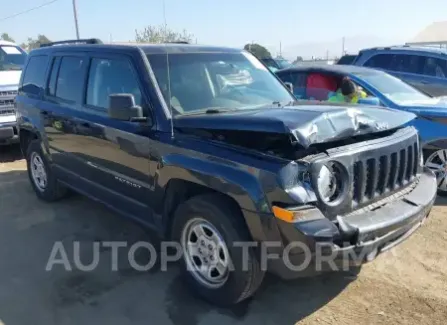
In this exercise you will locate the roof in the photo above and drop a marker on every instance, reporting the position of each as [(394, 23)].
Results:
[(434, 33), (2, 42), (147, 48), (335, 68), (407, 48)]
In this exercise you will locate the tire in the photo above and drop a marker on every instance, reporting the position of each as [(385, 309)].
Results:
[(218, 212), (52, 190), (436, 161)]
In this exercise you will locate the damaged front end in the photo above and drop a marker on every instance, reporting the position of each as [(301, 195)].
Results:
[(350, 177)]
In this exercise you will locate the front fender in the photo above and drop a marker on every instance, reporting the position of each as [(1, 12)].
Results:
[(239, 182)]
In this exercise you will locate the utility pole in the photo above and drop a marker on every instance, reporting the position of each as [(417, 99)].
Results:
[(343, 46), (280, 49), (75, 14)]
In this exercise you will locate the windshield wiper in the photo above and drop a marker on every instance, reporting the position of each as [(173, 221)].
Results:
[(14, 69), (281, 105), (211, 110), (216, 110)]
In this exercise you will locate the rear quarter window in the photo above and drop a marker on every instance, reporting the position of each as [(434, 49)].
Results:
[(34, 75), (347, 59)]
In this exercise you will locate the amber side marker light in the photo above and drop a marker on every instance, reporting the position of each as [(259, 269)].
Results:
[(283, 214), (305, 213)]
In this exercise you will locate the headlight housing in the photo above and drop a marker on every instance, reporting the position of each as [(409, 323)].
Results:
[(332, 183)]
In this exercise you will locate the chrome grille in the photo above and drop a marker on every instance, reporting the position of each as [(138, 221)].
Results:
[(9, 93), (7, 102)]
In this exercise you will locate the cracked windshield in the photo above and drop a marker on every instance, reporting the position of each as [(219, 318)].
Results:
[(202, 162)]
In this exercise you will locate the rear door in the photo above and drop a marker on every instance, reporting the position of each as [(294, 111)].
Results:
[(62, 106)]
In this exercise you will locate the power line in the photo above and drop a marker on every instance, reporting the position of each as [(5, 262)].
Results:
[(26, 11)]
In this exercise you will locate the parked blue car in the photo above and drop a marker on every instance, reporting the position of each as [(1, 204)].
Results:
[(321, 82), (422, 67)]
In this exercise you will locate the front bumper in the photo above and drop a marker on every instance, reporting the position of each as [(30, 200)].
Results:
[(356, 238), (8, 133)]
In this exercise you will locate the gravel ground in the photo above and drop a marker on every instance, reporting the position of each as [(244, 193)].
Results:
[(407, 285)]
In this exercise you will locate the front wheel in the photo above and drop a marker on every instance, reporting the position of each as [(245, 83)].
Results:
[(207, 226), (437, 163)]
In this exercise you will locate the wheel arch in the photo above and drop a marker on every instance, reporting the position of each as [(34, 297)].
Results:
[(181, 181), (26, 136)]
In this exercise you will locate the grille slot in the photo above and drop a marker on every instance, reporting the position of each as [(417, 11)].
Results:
[(384, 173), (9, 93), (376, 176), (7, 102)]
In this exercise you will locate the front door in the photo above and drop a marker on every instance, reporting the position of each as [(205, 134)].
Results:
[(117, 152)]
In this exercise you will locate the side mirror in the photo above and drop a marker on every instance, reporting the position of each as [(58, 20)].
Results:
[(374, 101), (289, 86), (122, 107)]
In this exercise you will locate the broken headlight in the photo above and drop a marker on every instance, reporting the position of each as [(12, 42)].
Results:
[(332, 182)]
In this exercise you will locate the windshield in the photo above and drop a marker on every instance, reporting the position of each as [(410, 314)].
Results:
[(11, 58), (393, 88), (202, 81)]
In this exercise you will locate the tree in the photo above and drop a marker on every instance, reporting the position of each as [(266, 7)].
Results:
[(258, 50), (6, 37), (160, 34), (299, 58), (31, 43)]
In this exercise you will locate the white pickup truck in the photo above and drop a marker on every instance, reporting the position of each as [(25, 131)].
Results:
[(12, 58)]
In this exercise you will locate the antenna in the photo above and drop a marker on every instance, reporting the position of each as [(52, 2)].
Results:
[(168, 72)]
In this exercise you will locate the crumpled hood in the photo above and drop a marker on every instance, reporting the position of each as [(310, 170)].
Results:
[(307, 124), (9, 78)]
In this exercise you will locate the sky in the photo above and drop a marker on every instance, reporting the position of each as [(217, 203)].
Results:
[(231, 22)]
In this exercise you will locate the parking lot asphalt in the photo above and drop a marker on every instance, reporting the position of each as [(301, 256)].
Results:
[(406, 285)]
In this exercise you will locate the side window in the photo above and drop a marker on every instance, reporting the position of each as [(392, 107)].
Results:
[(69, 82), (381, 61), (53, 76), (398, 62), (111, 76), (434, 67), (412, 64), (34, 77)]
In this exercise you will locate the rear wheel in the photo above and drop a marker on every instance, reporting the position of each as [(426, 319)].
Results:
[(437, 162), (42, 178), (207, 226)]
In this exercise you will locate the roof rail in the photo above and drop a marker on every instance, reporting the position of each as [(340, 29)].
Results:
[(75, 41), (178, 42)]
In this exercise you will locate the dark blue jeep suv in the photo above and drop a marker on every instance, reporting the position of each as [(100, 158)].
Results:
[(207, 147)]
